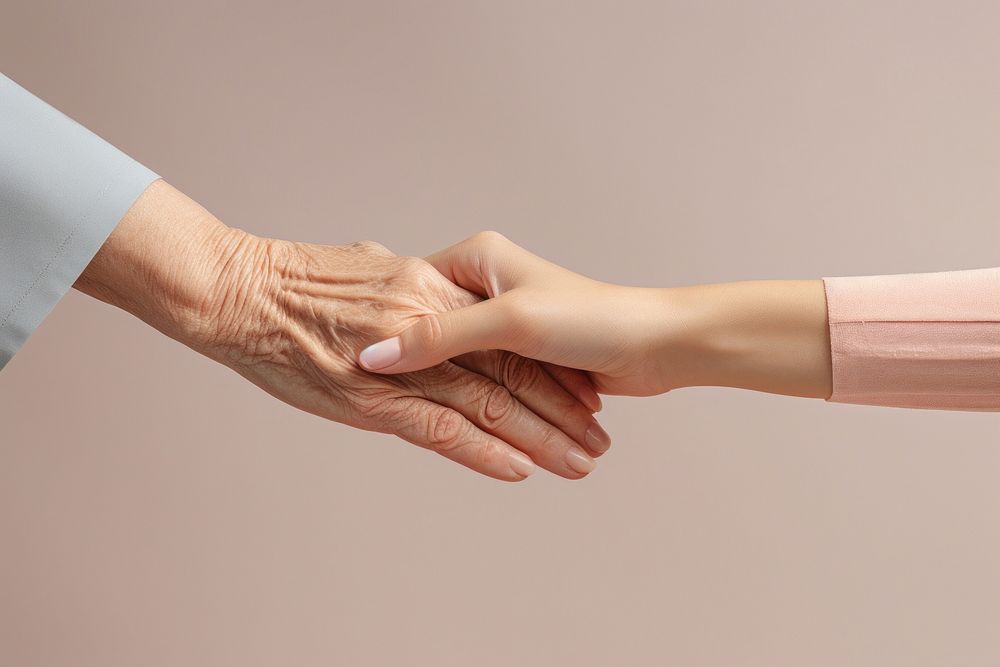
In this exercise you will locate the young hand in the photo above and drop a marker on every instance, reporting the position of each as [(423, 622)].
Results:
[(539, 310), (767, 335)]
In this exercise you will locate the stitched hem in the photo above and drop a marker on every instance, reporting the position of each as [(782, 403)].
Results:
[(61, 249)]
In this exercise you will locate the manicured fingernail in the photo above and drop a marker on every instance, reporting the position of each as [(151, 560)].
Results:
[(597, 438), (521, 464), (380, 355), (590, 398), (579, 461)]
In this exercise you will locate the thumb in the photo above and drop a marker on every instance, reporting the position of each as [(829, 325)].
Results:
[(438, 337)]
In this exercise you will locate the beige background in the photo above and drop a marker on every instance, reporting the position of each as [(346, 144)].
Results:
[(155, 509)]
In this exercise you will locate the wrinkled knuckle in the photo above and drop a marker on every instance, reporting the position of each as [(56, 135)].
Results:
[(496, 407), (379, 410), (412, 265), (490, 456), (444, 430), (371, 247), (518, 374), (370, 411), (551, 441), (419, 275)]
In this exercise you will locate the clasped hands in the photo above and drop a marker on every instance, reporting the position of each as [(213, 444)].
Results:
[(483, 353), (292, 317)]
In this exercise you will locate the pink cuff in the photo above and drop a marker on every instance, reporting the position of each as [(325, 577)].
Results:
[(917, 340)]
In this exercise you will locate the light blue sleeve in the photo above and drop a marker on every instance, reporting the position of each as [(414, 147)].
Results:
[(62, 190)]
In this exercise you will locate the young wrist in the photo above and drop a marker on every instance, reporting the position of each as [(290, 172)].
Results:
[(681, 345), (764, 335)]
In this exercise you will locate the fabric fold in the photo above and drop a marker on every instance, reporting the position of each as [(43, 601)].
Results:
[(62, 191), (918, 340)]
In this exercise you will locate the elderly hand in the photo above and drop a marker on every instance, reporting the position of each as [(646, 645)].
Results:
[(289, 317)]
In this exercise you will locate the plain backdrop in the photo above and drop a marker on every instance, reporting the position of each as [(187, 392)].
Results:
[(156, 509)]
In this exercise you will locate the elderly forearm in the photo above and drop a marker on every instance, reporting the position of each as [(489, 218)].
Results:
[(162, 262)]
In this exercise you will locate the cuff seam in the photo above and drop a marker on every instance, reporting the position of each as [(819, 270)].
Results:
[(64, 245)]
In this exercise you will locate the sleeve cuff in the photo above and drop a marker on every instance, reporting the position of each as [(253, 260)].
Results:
[(921, 340), (62, 191)]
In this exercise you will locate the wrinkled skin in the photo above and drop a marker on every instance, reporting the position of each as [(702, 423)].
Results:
[(291, 318)]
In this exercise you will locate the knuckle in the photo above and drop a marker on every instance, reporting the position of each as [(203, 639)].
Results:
[(496, 407), (378, 409), (437, 378), (371, 247), (552, 442), (517, 373), (489, 456), (444, 429), (419, 275), (489, 239), (410, 264)]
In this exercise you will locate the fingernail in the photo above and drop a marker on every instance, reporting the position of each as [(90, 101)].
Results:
[(597, 438), (380, 355), (579, 461), (521, 464), (590, 398)]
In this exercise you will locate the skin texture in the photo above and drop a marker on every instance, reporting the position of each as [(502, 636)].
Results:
[(766, 335), (288, 317)]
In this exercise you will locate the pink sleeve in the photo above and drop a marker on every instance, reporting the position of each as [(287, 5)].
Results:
[(918, 340)]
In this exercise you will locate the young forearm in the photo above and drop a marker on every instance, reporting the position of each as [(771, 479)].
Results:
[(928, 340), (764, 335)]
